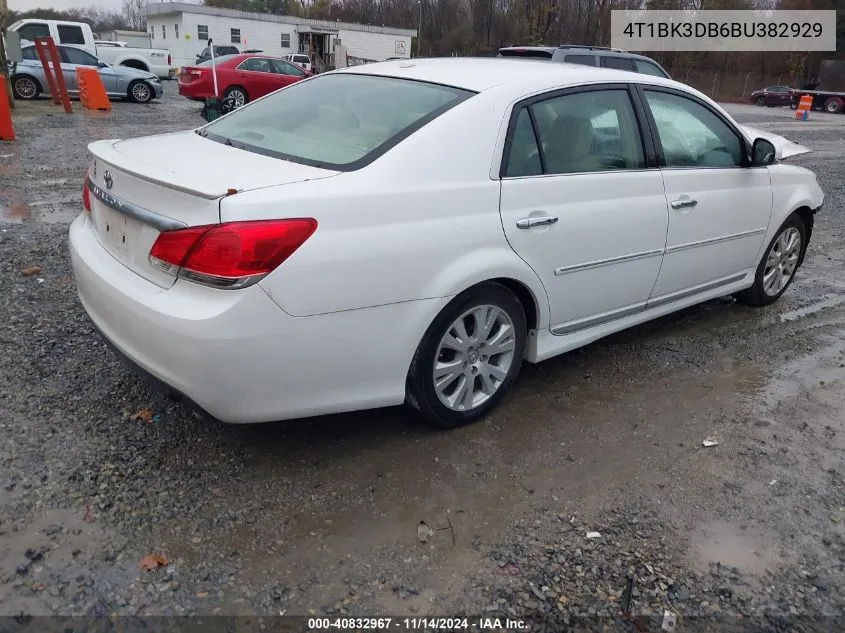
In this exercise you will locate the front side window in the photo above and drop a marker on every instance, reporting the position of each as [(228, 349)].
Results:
[(235, 36), (70, 55), (33, 30), (286, 68), (70, 34), (648, 68), (202, 32), (691, 135), (590, 131), (335, 121)]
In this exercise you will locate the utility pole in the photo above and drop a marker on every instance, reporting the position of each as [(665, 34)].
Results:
[(4, 67), (419, 32)]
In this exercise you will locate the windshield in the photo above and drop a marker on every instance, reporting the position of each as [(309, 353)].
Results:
[(341, 121)]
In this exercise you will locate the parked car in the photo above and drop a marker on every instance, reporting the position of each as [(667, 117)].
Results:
[(370, 236), (29, 82), (241, 77), (79, 34), (588, 56), (300, 59), (773, 96), (220, 50)]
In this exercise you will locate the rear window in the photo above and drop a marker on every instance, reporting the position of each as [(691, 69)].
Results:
[(342, 121), (216, 60), (525, 52)]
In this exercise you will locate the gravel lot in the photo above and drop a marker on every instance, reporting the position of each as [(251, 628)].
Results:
[(321, 516)]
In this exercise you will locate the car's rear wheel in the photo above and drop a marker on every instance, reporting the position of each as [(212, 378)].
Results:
[(833, 105), (25, 87), (238, 96), (778, 267), (140, 91), (761, 101), (469, 357)]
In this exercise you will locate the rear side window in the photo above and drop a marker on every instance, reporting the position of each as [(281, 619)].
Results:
[(29, 53), (584, 60), (31, 31), (340, 121), (619, 63), (649, 68)]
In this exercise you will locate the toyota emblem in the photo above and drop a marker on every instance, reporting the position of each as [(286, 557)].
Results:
[(108, 179)]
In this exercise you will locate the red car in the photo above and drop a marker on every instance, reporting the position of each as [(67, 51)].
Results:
[(242, 77)]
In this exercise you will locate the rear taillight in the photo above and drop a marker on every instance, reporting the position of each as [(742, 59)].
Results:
[(231, 255), (168, 59), (86, 195)]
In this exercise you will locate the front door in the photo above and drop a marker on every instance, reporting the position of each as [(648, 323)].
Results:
[(257, 76), (580, 205), (719, 207), (73, 58)]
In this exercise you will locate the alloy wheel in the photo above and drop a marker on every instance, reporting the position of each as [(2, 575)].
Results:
[(25, 88), (474, 357), (781, 261), (141, 92)]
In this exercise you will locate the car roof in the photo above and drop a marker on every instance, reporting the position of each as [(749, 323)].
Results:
[(483, 73)]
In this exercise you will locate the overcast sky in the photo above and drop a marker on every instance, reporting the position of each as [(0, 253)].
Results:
[(26, 5)]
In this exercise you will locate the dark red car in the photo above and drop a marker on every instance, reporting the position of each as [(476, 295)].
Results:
[(773, 96), (242, 77)]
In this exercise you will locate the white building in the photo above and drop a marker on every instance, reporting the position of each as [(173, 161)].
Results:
[(184, 29)]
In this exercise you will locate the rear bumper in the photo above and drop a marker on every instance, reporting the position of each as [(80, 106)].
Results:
[(235, 354), (191, 91)]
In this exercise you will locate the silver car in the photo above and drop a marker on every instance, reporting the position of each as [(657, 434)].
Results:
[(28, 80)]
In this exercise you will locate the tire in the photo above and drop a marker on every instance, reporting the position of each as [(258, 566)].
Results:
[(788, 257), (140, 91), (761, 101), (794, 105), (833, 105), (238, 94), (25, 87), (508, 327)]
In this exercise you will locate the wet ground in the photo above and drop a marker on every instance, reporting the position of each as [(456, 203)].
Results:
[(321, 516)]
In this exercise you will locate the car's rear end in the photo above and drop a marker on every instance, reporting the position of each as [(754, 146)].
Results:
[(196, 82), (171, 258)]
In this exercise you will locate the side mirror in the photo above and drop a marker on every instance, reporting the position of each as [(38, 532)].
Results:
[(762, 153)]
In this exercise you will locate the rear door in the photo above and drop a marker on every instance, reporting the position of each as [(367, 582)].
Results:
[(583, 203)]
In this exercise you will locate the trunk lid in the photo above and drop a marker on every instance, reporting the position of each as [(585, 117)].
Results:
[(784, 148), (143, 186)]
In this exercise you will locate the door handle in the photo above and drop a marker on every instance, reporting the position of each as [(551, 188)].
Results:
[(684, 203), (530, 223)]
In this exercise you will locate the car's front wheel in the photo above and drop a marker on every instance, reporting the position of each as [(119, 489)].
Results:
[(778, 267), (761, 101), (469, 357), (140, 92)]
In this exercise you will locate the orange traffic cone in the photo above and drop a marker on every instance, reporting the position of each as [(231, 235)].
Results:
[(7, 132)]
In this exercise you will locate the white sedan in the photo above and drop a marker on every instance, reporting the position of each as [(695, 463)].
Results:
[(411, 231)]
